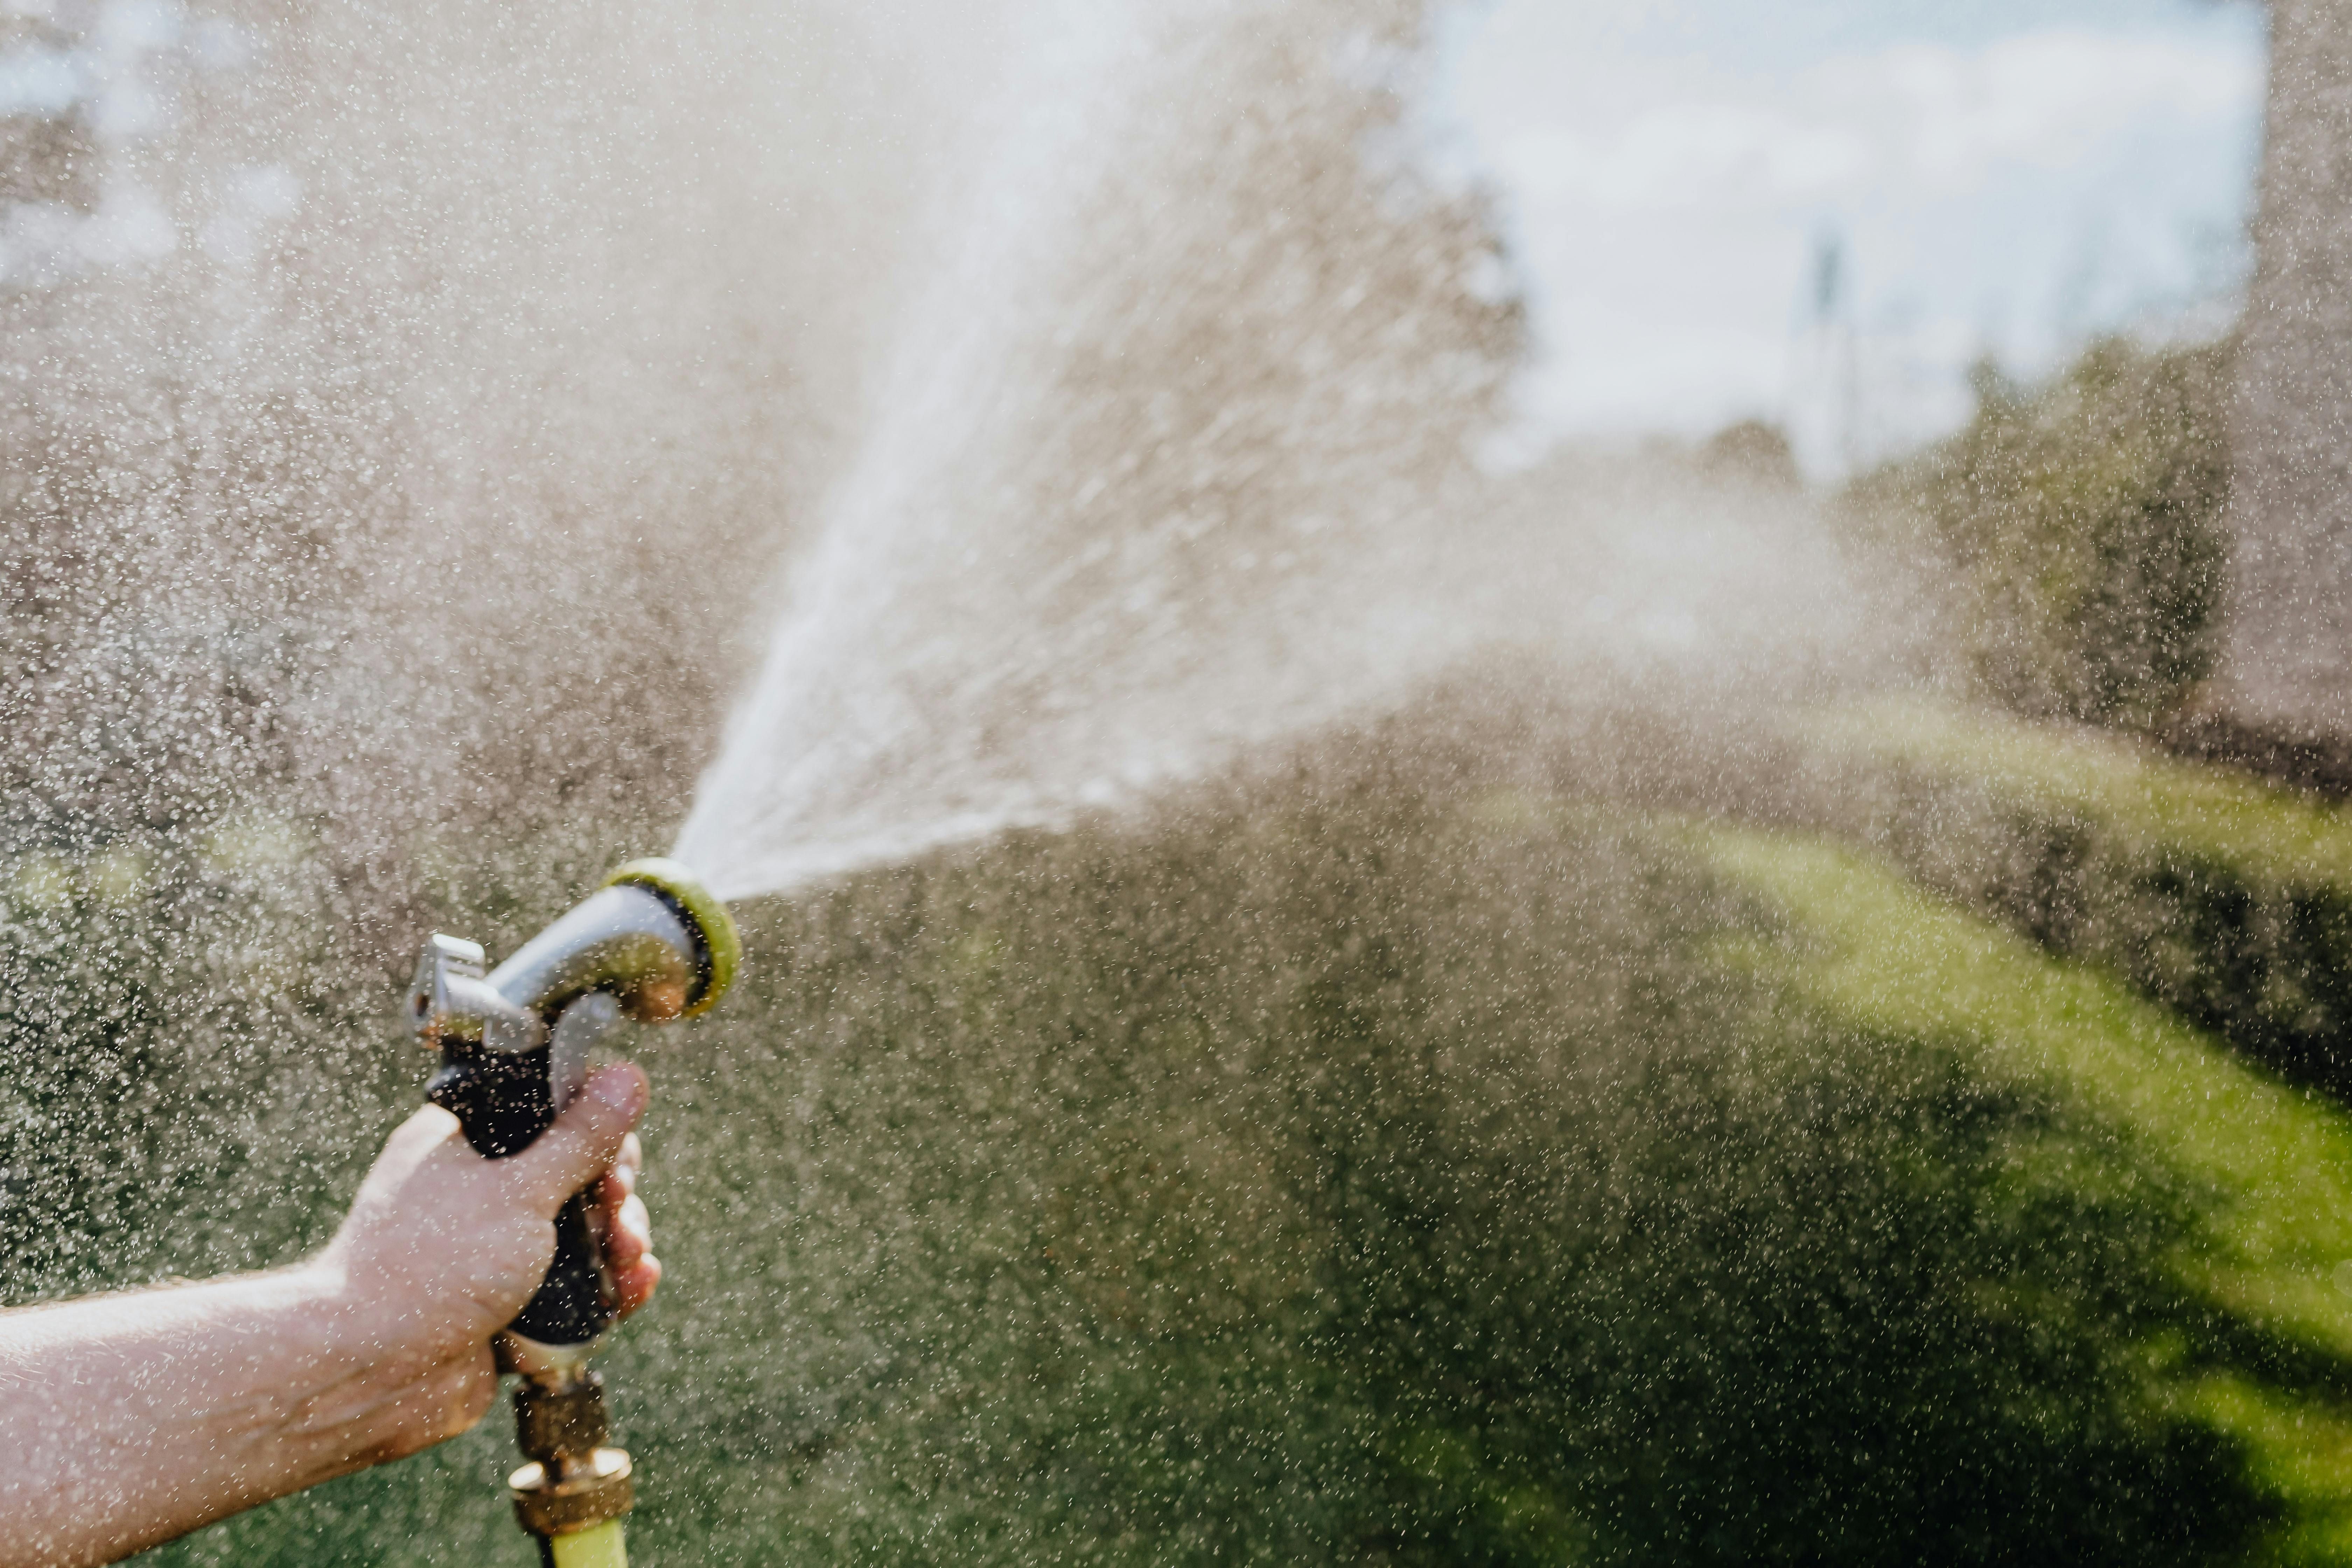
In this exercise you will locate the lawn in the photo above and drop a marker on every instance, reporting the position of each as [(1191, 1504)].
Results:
[(1374, 1159)]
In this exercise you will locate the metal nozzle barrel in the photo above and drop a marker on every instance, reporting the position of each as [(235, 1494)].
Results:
[(652, 937)]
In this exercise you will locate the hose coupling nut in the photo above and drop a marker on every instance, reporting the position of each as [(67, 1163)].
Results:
[(574, 1482), (592, 1491)]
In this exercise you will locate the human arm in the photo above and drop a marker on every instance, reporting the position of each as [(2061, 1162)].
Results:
[(126, 1420)]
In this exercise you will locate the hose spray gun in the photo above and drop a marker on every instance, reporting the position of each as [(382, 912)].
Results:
[(651, 945)]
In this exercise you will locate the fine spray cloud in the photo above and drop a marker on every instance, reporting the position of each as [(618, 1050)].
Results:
[(1175, 457)]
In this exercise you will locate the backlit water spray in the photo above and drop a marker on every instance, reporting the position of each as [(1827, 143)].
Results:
[(1026, 408), (1177, 454)]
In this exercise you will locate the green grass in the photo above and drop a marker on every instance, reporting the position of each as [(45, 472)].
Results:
[(1352, 1167), (2272, 1247), (2155, 802), (2227, 899), (1362, 1164), (1891, 959)]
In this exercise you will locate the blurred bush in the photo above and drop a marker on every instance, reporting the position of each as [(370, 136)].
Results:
[(1753, 452), (2081, 523)]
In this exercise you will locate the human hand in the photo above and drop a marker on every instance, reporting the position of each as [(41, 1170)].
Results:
[(139, 1416), (441, 1247)]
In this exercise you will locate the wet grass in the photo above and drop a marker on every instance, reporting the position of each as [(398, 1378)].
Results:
[(2270, 1246), (1365, 1165), (2223, 897)]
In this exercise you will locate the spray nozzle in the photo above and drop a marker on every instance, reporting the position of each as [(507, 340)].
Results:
[(653, 939), (651, 945), (718, 950)]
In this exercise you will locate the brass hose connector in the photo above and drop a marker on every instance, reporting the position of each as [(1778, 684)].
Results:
[(574, 1482)]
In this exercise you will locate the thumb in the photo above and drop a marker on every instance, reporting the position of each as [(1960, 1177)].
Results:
[(583, 1142)]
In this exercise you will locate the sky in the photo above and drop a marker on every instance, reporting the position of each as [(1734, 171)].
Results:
[(1823, 211)]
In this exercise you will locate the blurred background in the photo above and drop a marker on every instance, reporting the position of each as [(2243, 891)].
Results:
[(1825, 216), (1510, 783)]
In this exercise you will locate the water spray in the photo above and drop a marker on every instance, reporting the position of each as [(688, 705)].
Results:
[(651, 945)]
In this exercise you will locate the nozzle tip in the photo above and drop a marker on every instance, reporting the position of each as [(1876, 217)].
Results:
[(722, 947)]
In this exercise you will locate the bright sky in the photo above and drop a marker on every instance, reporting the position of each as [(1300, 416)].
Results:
[(2002, 175)]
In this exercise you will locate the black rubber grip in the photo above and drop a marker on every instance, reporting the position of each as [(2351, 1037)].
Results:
[(504, 1102)]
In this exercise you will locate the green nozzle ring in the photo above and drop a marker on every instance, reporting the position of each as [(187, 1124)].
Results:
[(722, 949)]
